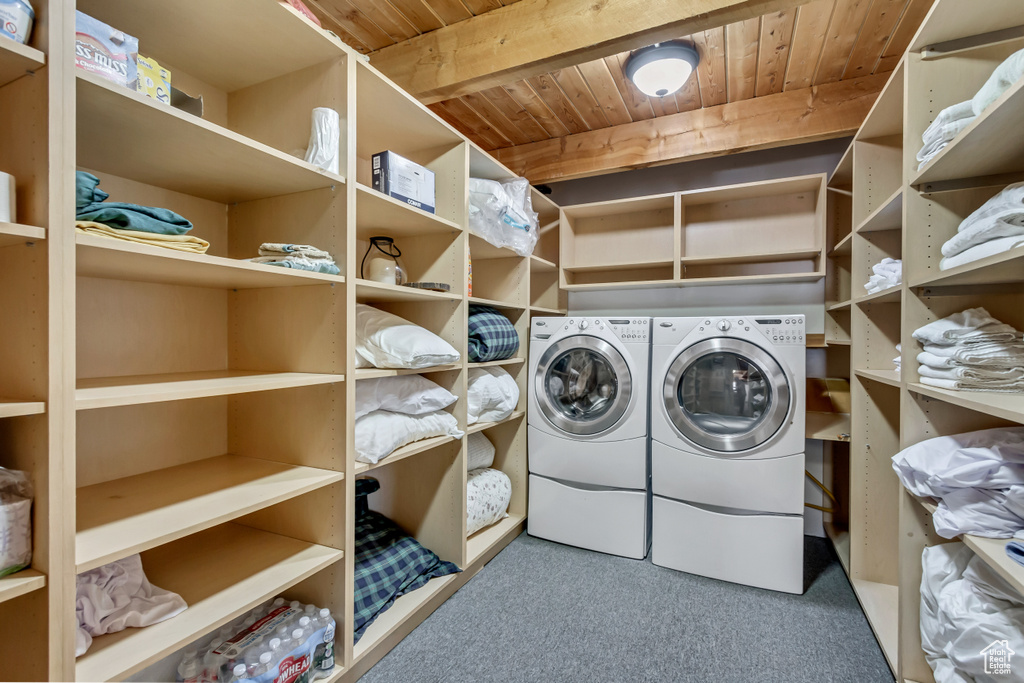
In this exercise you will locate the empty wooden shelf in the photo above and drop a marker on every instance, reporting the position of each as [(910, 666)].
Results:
[(125, 516), (12, 408), (1004, 268), (16, 60), (15, 233), (481, 426), (231, 578), (107, 392), (490, 537), (130, 135), (369, 292), (407, 451), (377, 212), (890, 377), (20, 583), (888, 216), (828, 426)]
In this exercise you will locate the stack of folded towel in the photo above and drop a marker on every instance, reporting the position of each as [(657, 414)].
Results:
[(130, 222), (996, 227), (971, 351), (885, 275), (946, 126), (298, 256), (950, 121)]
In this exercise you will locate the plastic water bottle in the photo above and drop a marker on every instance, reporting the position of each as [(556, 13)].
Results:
[(306, 625), (274, 648), (323, 656), (298, 637), (238, 673), (263, 666), (189, 670), (211, 663)]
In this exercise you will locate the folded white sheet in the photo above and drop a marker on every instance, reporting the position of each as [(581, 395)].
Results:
[(988, 458), (972, 373), (980, 512), (947, 133), (983, 250), (1001, 80), (966, 327), (957, 112), (998, 354)]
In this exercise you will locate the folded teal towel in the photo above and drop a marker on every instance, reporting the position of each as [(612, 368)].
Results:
[(91, 205)]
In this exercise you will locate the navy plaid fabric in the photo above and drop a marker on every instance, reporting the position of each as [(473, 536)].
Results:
[(491, 335), (389, 562)]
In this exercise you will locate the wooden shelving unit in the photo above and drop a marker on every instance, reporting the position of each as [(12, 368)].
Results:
[(895, 210), (779, 223), (197, 409)]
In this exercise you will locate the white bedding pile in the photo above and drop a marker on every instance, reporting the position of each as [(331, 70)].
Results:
[(971, 351), (966, 608), (977, 477), (886, 274), (997, 226), (492, 395), (394, 411)]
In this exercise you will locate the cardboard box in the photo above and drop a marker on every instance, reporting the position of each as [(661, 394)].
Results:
[(154, 80), (105, 51), (404, 180)]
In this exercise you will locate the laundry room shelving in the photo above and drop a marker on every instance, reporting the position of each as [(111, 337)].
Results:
[(676, 239), (235, 380)]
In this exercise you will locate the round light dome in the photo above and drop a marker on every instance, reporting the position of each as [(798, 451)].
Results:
[(661, 69)]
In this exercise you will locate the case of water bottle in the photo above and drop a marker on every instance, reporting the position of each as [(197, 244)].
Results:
[(278, 642)]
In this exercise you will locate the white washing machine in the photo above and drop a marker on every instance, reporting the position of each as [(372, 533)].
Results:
[(587, 426), (727, 448)]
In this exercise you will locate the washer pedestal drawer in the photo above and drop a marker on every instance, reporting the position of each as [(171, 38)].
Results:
[(612, 521), (621, 464), (770, 485), (766, 551)]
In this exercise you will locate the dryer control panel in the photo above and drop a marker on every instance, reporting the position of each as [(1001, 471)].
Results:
[(787, 329), (630, 330)]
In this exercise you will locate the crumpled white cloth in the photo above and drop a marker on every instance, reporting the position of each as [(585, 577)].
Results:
[(886, 274), (990, 513), (985, 459), (969, 326), (965, 608), (1001, 80), (1001, 216), (980, 251), (116, 596)]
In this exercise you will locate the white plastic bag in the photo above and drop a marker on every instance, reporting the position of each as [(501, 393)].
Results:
[(15, 521), (324, 140), (502, 213)]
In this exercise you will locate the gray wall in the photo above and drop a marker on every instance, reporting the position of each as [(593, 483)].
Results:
[(776, 299)]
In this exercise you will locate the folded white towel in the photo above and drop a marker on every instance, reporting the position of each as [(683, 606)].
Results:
[(995, 354), (1014, 387), (979, 374), (966, 327), (980, 251), (1005, 75), (1001, 216), (956, 112), (300, 250), (932, 147)]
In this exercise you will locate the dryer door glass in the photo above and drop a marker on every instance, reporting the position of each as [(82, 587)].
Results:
[(584, 385), (727, 395)]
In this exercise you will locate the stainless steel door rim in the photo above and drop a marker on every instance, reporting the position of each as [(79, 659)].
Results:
[(606, 353), (776, 412)]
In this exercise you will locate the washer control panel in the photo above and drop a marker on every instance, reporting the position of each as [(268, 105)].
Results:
[(783, 330), (631, 329), (627, 329)]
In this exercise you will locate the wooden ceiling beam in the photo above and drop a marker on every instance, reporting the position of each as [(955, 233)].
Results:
[(532, 37), (807, 115)]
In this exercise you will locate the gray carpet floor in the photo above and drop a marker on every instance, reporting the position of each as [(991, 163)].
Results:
[(541, 611)]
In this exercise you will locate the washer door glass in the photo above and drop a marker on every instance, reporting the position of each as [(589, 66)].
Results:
[(727, 395), (584, 385)]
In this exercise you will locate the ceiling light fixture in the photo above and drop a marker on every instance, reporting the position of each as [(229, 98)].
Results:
[(661, 69)]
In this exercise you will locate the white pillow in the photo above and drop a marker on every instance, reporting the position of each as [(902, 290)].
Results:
[(408, 394), (479, 451), (492, 394), (488, 493), (379, 433), (387, 341), (362, 362)]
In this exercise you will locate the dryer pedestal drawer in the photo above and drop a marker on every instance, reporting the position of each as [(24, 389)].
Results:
[(766, 551), (772, 485), (621, 464), (607, 520)]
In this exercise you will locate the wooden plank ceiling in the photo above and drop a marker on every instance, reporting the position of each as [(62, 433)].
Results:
[(800, 48)]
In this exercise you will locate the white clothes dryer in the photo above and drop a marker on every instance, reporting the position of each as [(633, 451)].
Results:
[(587, 429), (727, 451)]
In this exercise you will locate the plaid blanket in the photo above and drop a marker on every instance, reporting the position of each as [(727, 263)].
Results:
[(491, 335), (389, 563)]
